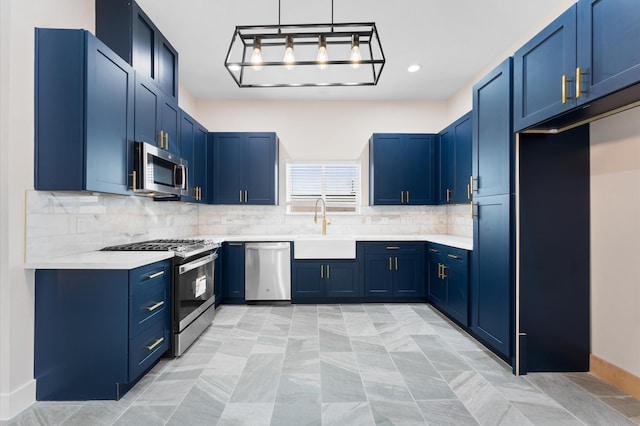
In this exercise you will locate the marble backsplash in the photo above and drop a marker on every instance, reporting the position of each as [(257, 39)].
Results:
[(59, 224)]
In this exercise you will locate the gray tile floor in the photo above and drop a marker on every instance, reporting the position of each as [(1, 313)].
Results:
[(391, 364)]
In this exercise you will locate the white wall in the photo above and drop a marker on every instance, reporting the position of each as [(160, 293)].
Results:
[(615, 240), (19, 17)]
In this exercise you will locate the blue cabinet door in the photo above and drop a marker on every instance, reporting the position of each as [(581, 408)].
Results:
[(342, 279), (492, 296), (408, 265), (544, 69), (436, 285), (261, 168), (308, 280), (456, 274), (608, 40), (83, 114), (462, 137), (199, 164), (170, 124), (187, 143), (446, 166), (493, 139), (228, 156), (233, 278), (378, 274), (147, 111), (420, 167), (386, 169)]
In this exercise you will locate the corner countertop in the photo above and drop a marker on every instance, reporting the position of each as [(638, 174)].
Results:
[(132, 260)]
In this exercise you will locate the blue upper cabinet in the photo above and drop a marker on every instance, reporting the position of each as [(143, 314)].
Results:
[(589, 52), (125, 28), (244, 168), (544, 72), (83, 114), (608, 52), (402, 169), (193, 144), (493, 141), (454, 159), (157, 116)]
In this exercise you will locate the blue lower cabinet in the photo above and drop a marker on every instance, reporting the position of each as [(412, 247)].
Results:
[(98, 331), (448, 285), (233, 272), (393, 269), (330, 279)]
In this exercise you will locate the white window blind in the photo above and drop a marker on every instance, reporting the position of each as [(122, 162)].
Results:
[(337, 183)]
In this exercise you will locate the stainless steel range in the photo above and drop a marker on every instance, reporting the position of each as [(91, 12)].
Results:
[(193, 285)]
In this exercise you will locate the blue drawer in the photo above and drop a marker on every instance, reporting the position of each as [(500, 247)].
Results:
[(148, 306), (146, 348)]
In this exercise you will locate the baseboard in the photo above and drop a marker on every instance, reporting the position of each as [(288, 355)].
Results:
[(615, 376), (11, 404)]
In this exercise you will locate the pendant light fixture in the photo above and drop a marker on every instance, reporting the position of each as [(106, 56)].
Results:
[(356, 53)]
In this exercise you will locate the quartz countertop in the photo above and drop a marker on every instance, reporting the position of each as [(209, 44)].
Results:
[(135, 259)]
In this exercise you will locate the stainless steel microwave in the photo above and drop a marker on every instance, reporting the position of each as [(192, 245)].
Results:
[(158, 173)]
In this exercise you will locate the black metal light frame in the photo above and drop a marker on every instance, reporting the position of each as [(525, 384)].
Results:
[(336, 34)]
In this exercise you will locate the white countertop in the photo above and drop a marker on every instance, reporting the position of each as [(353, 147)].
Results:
[(135, 259)]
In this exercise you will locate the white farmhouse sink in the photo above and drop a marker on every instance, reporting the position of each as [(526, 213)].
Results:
[(324, 247)]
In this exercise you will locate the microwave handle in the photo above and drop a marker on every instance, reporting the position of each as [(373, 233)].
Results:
[(182, 183)]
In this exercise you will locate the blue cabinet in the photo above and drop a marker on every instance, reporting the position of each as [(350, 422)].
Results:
[(608, 40), (98, 331), (448, 280), (402, 169), (544, 72), (322, 280), (454, 160), (244, 168), (193, 148), (587, 53), (83, 114), (124, 27), (493, 141), (492, 291), (233, 272), (493, 270), (393, 269), (157, 116)]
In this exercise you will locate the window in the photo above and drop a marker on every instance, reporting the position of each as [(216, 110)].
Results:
[(337, 183)]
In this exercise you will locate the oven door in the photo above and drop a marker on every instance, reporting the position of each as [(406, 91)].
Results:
[(195, 290)]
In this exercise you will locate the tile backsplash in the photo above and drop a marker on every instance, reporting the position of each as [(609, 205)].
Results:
[(59, 224)]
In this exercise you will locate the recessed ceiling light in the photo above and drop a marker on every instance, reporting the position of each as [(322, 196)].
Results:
[(413, 68)]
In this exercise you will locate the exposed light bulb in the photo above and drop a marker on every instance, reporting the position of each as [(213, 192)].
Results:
[(356, 56), (289, 57), (323, 57), (256, 56)]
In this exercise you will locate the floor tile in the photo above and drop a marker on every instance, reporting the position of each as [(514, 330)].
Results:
[(593, 385), (197, 408), (46, 413), (245, 414), (299, 389), (259, 379), (446, 412), (96, 413), (396, 413), (441, 356), (339, 378), (423, 381), (627, 405), (304, 414), (385, 387), (347, 413)]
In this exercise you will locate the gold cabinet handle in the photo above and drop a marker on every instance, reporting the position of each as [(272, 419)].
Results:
[(133, 180), (470, 187), (246, 198), (565, 80), (241, 195), (408, 198), (579, 75), (328, 272), (444, 268), (156, 275), (401, 197), (166, 140), (197, 193), (390, 266), (155, 344), (393, 248), (155, 306), (448, 195), (440, 270), (321, 271), (396, 263), (472, 212), (453, 256), (161, 138), (432, 250)]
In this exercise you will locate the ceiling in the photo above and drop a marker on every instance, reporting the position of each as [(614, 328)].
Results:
[(453, 41)]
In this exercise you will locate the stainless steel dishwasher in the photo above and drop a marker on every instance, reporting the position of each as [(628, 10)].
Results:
[(267, 269)]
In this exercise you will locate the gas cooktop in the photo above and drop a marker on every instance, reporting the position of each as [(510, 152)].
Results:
[(181, 247)]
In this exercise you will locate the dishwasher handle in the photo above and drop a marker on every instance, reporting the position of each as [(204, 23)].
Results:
[(267, 246)]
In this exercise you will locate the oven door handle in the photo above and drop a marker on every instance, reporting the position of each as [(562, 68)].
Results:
[(197, 263)]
